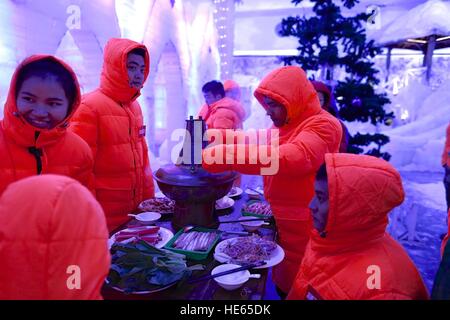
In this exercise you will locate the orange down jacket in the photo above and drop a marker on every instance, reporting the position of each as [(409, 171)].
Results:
[(446, 153), (58, 151), (223, 114), (52, 230), (309, 134), (357, 259), (110, 120)]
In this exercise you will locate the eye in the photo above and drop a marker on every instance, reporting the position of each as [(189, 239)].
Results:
[(28, 99), (132, 68)]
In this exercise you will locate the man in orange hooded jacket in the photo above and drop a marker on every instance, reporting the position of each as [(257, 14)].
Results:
[(350, 255), (110, 121), (219, 111), (53, 241), (306, 132), (32, 140)]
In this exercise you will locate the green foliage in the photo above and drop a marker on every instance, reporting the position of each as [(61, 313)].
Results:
[(329, 39)]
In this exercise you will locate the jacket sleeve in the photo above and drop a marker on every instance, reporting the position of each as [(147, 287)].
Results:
[(445, 153), (304, 154), (149, 188), (86, 176), (85, 123)]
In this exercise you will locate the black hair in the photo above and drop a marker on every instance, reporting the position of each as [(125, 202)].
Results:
[(139, 51), (45, 68), (322, 173), (215, 87)]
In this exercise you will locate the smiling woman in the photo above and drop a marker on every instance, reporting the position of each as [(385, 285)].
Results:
[(45, 91)]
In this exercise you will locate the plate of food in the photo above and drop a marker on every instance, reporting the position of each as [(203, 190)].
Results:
[(152, 235), (251, 249), (139, 268), (224, 203), (234, 192), (256, 208), (256, 193), (161, 205)]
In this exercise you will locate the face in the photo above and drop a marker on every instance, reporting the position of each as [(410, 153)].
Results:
[(136, 70), (321, 98), (276, 111), (42, 102), (210, 98), (319, 205)]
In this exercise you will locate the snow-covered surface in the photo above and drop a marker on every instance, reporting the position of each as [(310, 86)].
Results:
[(418, 145), (426, 19)]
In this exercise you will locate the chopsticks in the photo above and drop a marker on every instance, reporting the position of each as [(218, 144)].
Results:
[(246, 267), (244, 220)]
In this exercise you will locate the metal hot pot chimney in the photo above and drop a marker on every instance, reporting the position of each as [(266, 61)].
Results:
[(193, 189)]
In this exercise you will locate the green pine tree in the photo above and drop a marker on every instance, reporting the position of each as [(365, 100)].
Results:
[(320, 39)]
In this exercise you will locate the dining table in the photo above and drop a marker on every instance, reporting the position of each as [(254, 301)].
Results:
[(253, 289)]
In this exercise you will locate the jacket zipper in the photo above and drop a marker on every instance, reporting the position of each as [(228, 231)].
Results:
[(132, 148), (37, 153)]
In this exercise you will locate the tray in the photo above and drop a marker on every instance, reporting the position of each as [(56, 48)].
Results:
[(246, 213), (193, 255)]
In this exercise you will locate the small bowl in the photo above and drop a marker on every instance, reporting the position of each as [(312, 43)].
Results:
[(232, 281), (251, 226), (147, 218)]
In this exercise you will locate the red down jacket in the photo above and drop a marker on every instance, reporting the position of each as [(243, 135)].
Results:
[(63, 152), (51, 230), (110, 121), (357, 259), (303, 142)]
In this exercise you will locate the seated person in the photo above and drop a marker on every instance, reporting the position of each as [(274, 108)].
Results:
[(53, 241), (350, 255)]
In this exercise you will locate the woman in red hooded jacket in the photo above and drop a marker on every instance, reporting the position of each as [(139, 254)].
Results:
[(53, 241), (350, 255), (327, 103), (43, 96), (305, 133), (110, 120)]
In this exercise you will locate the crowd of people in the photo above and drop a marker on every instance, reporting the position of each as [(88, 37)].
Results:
[(66, 153)]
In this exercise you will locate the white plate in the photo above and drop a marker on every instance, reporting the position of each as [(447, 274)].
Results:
[(224, 203), (253, 193), (276, 256), (237, 193), (165, 234)]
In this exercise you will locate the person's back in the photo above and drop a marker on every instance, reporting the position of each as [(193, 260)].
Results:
[(53, 241), (350, 255), (43, 95), (110, 120)]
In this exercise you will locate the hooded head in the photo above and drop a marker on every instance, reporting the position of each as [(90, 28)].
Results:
[(115, 80), (288, 87), (361, 191), (51, 227), (325, 97), (232, 90), (43, 95)]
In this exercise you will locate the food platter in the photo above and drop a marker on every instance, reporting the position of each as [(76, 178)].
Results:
[(164, 233), (275, 257), (160, 205)]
